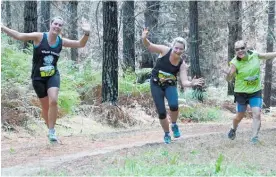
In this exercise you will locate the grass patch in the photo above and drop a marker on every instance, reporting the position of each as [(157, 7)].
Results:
[(200, 113), (162, 162)]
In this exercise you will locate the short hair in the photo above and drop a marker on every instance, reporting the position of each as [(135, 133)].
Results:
[(57, 17), (240, 42), (181, 41)]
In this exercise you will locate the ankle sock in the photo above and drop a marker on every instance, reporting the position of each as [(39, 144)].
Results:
[(173, 123), (234, 128), (52, 130), (167, 133)]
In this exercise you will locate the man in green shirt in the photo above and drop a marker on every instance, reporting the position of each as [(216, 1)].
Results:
[(245, 67)]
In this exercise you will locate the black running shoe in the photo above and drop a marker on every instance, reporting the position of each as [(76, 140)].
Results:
[(232, 134)]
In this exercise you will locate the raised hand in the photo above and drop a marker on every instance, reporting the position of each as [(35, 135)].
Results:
[(145, 33), (85, 26)]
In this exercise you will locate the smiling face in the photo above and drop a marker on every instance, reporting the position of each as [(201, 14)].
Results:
[(56, 26), (240, 49), (178, 48)]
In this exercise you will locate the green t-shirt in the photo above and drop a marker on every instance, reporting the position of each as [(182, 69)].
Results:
[(248, 75)]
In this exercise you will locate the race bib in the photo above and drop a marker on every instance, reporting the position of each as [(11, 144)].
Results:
[(47, 71), (166, 76), (252, 80)]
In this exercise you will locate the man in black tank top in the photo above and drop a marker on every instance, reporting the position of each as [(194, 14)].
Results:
[(45, 75), (164, 80)]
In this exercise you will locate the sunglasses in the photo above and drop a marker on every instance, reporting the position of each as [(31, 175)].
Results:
[(241, 48)]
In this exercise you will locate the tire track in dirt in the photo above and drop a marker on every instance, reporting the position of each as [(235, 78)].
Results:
[(31, 155)]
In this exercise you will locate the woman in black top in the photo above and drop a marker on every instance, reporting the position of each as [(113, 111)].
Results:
[(164, 80), (45, 75)]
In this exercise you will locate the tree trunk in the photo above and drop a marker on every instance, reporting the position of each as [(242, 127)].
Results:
[(252, 24), (8, 16), (194, 46), (8, 13), (110, 52), (151, 22), (30, 18), (45, 16), (235, 33), (193, 15), (268, 63), (73, 34), (128, 36)]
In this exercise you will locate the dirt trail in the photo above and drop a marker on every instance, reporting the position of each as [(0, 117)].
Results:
[(29, 155)]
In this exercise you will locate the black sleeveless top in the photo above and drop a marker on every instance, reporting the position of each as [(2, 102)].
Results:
[(45, 55), (165, 65)]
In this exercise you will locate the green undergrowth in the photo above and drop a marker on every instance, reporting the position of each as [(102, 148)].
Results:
[(128, 85), (162, 162), (79, 79), (76, 79), (200, 113)]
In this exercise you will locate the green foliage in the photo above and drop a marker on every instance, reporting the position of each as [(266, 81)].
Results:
[(199, 113), (68, 99), (218, 163), (164, 162), (191, 95), (15, 64), (12, 151), (43, 172), (16, 69), (76, 79), (128, 85), (194, 152), (73, 76)]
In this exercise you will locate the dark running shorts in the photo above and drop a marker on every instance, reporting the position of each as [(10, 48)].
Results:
[(243, 99), (41, 86)]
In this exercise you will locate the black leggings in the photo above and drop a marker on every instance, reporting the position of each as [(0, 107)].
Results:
[(159, 93)]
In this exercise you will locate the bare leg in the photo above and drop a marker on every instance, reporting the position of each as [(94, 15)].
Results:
[(174, 115), (165, 124), (53, 106), (256, 125), (237, 119), (45, 108)]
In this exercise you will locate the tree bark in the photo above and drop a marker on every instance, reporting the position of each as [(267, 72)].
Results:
[(73, 34), (268, 63), (128, 36), (30, 18), (110, 53), (235, 33), (45, 16), (194, 46), (193, 15), (8, 13), (151, 22)]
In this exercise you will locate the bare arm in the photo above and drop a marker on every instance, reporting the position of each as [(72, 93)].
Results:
[(35, 36), (268, 55), (78, 43), (230, 73), (184, 77), (74, 43), (161, 49)]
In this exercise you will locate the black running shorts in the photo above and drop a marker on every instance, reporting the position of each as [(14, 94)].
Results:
[(41, 86)]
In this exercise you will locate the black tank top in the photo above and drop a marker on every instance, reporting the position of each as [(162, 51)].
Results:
[(45, 55), (165, 65)]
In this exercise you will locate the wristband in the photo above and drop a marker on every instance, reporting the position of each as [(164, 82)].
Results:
[(86, 34)]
